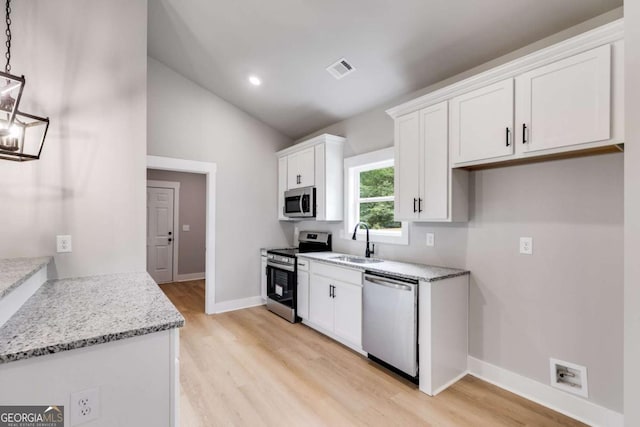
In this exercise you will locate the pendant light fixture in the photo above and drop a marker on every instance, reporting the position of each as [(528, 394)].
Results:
[(22, 135)]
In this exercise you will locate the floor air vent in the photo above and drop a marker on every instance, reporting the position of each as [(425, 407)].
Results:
[(340, 68)]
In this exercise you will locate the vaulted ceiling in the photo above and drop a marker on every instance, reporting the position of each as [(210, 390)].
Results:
[(396, 47)]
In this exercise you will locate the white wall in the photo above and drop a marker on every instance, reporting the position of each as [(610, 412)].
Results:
[(566, 300), (632, 216), (85, 67), (188, 122)]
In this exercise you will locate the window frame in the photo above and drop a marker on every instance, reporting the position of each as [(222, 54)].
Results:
[(353, 166)]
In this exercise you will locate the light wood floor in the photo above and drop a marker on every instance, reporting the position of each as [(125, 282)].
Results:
[(252, 368)]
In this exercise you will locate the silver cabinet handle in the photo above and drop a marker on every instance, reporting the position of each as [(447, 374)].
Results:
[(387, 283)]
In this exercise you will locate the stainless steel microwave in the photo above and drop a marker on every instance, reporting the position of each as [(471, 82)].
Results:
[(300, 203)]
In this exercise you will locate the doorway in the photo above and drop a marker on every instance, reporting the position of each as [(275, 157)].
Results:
[(209, 171)]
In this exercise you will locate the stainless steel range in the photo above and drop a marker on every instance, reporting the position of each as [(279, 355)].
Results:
[(282, 276)]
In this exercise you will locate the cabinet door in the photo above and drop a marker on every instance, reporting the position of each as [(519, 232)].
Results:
[(565, 103), (482, 123), (407, 166), (320, 302), (282, 186), (263, 280), (303, 295), (292, 171), (434, 168), (301, 168), (307, 167), (348, 312)]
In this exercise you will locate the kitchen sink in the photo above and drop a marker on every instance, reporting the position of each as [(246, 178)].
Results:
[(356, 259)]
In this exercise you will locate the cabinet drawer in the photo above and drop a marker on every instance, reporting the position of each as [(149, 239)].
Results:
[(338, 273), (303, 265)]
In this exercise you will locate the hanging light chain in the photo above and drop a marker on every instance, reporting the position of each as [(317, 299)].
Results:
[(7, 67)]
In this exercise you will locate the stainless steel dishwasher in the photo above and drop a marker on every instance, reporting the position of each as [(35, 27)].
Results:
[(390, 322)]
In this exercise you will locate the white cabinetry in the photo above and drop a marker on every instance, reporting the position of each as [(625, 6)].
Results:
[(316, 162), (263, 275), (565, 103), (301, 169), (426, 188), (442, 332), (561, 101), (335, 303), (482, 123), (302, 308)]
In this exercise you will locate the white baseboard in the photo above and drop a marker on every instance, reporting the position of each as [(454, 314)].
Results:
[(450, 383), (558, 400), (189, 276), (237, 304)]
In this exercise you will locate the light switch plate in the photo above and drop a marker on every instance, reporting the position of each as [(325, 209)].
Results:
[(186, 227), (526, 245), (63, 243), (431, 239)]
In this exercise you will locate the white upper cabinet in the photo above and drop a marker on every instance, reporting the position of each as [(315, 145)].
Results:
[(563, 100), (482, 123), (434, 163), (407, 166), (426, 189), (565, 103), (301, 169), (317, 162)]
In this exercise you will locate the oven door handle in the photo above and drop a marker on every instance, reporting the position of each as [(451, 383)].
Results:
[(275, 264), (300, 203)]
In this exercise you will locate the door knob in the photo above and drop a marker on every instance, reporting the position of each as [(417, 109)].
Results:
[(169, 233), (170, 240)]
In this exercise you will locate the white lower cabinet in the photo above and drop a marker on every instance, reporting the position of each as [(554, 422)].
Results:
[(347, 312), (263, 274), (335, 302), (443, 308), (321, 302), (302, 309)]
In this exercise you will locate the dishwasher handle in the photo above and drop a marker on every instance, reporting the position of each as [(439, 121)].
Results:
[(389, 283)]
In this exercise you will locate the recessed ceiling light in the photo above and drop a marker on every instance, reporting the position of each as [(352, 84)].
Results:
[(255, 81)]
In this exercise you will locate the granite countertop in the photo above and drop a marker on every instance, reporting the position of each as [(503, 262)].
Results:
[(15, 271), (73, 313), (406, 270)]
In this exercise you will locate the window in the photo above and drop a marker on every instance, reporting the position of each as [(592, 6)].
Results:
[(370, 197)]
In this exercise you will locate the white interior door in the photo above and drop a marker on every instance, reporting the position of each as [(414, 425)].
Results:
[(160, 233)]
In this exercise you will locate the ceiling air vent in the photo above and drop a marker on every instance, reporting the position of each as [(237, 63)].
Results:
[(340, 68)]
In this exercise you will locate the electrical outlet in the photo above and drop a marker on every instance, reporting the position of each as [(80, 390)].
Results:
[(526, 245), (569, 377), (63, 243), (431, 239), (85, 406), (186, 227)]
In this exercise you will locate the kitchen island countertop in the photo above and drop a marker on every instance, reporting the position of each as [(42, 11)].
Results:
[(67, 314)]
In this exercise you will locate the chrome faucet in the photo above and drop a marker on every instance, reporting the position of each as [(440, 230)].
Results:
[(368, 252)]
